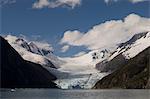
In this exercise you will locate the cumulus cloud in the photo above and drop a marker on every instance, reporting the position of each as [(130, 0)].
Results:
[(132, 1), (39, 4), (137, 1), (71, 36), (65, 48), (107, 1), (3, 2), (43, 45), (108, 33), (56, 3), (80, 54)]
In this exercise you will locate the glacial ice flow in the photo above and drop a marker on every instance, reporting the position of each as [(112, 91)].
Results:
[(79, 71)]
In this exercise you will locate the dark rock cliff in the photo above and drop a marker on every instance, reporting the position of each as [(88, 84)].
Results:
[(134, 74), (18, 73)]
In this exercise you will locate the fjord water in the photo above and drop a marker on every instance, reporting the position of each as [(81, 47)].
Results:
[(74, 94)]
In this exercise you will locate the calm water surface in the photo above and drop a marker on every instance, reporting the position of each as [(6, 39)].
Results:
[(74, 94)]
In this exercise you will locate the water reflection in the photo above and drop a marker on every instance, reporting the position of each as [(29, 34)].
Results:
[(74, 94)]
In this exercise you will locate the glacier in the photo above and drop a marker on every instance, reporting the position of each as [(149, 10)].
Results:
[(78, 72)]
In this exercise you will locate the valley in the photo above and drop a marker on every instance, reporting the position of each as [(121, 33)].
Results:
[(81, 72)]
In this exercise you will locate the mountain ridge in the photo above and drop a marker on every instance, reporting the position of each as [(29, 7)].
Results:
[(124, 52), (19, 73), (85, 70), (134, 74)]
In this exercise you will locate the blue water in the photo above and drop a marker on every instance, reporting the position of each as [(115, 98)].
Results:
[(74, 94)]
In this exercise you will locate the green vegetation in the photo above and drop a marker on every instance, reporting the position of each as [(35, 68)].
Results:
[(133, 75)]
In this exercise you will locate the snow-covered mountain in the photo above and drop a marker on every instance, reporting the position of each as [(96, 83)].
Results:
[(125, 51), (85, 70), (81, 70), (29, 46), (19, 73), (83, 67), (70, 71), (135, 45), (31, 51), (134, 74)]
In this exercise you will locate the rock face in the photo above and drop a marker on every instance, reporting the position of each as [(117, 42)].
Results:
[(112, 65), (18, 73), (148, 84), (31, 50), (124, 52), (134, 74)]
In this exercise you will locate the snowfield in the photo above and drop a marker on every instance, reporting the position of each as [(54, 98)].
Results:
[(82, 72), (138, 46), (77, 72), (131, 50)]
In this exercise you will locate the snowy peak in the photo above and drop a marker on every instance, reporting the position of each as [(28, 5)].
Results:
[(137, 44), (13, 40), (31, 46), (134, 38), (82, 70), (22, 43), (132, 47), (34, 48), (42, 48), (33, 51)]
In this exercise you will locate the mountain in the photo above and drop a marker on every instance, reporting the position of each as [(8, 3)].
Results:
[(81, 70), (33, 51), (124, 52), (128, 65), (134, 74), (19, 73), (70, 71), (85, 70)]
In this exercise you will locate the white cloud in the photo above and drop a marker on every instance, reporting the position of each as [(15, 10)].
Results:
[(56, 3), (107, 1), (137, 1), (43, 45), (71, 36), (65, 48), (80, 54), (132, 1), (39, 4), (108, 33), (3, 2)]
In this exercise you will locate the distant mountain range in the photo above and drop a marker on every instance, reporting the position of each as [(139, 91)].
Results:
[(124, 52), (130, 64), (31, 51), (108, 67), (134, 74), (19, 73)]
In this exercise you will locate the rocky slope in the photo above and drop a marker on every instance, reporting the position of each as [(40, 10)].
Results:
[(133, 74), (33, 51), (124, 52), (18, 73), (70, 71), (80, 71)]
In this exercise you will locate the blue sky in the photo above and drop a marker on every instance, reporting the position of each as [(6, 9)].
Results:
[(51, 23)]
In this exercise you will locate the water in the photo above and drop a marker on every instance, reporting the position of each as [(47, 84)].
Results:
[(74, 94)]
